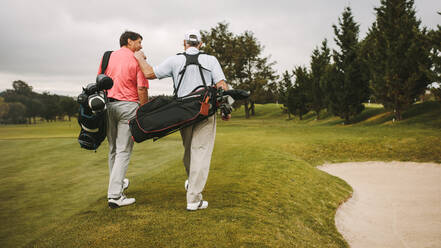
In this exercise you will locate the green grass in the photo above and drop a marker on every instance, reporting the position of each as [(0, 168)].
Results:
[(263, 188)]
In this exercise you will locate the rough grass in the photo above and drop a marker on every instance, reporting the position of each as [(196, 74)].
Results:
[(263, 188)]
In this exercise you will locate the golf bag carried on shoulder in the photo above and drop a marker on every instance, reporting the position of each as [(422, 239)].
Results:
[(165, 115), (92, 116)]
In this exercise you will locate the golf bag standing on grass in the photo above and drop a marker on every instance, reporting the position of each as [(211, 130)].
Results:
[(92, 113)]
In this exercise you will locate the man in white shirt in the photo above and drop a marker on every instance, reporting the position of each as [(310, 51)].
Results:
[(198, 139)]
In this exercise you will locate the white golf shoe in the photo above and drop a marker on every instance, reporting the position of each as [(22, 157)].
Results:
[(197, 205), (121, 201), (186, 185)]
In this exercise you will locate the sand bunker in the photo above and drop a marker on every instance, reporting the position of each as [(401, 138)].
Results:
[(394, 204)]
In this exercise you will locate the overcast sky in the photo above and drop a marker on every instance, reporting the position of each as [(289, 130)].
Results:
[(56, 46)]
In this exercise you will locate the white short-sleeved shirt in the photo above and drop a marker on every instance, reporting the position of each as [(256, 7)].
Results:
[(192, 77)]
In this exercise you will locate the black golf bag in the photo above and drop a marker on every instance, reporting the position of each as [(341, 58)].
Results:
[(164, 115), (92, 116)]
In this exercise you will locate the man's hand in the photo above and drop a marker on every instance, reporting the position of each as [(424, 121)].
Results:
[(139, 55), (222, 84)]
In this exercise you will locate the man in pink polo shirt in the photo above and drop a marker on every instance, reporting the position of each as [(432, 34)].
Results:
[(128, 91)]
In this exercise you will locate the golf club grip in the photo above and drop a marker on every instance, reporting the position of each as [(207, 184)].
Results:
[(237, 94)]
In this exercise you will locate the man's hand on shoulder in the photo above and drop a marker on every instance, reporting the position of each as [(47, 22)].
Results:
[(139, 55), (145, 67)]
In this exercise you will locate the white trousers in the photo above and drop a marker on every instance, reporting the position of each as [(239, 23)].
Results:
[(198, 141), (120, 143)]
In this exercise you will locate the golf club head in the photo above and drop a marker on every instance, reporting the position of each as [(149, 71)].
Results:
[(104, 82)]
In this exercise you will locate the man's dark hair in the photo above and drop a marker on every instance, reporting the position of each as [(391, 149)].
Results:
[(128, 35)]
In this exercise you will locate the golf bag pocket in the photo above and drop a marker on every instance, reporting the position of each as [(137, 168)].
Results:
[(88, 140), (93, 128), (165, 115), (205, 106)]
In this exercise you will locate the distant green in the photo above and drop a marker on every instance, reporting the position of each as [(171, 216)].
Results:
[(263, 188)]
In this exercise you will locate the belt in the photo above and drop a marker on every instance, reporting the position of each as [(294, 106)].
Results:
[(112, 99)]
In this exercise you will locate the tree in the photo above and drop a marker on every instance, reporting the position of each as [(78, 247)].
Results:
[(399, 61), (348, 90), (221, 43), (17, 96), (297, 95), (69, 106), (22, 88), (320, 59), (365, 48), (4, 109), (23, 93), (51, 106), (242, 61), (284, 87), (435, 53), (34, 108), (257, 72), (45, 105), (16, 113), (261, 82)]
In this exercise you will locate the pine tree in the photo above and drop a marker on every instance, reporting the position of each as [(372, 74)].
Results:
[(320, 59), (297, 95), (365, 49), (348, 90), (435, 52), (435, 56), (284, 86), (399, 61)]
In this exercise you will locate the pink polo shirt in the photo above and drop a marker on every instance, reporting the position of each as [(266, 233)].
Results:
[(126, 74)]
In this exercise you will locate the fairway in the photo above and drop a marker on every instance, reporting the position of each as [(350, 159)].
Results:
[(263, 188)]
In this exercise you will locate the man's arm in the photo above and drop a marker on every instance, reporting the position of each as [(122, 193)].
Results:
[(143, 95), (145, 67)]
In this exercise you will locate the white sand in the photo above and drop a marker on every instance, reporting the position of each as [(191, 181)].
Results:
[(395, 204)]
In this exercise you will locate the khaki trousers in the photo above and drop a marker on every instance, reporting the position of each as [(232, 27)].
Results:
[(198, 141), (120, 143)]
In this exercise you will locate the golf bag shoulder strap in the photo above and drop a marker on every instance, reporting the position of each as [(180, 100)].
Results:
[(105, 61), (104, 64), (190, 59)]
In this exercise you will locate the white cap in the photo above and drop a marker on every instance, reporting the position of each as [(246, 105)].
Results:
[(193, 35)]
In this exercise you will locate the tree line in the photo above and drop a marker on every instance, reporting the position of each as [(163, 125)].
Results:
[(392, 65), (21, 105)]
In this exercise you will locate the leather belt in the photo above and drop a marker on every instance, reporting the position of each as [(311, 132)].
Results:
[(112, 99)]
